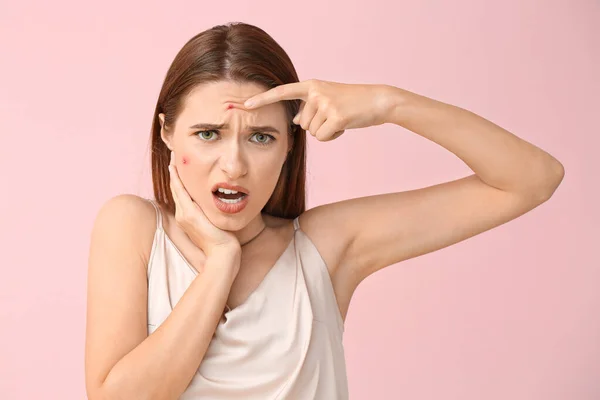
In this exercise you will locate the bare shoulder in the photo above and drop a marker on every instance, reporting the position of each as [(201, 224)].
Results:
[(125, 207), (326, 230), (116, 284), (325, 227), (130, 217)]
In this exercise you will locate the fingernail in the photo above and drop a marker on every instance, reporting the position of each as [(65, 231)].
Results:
[(295, 120), (248, 103)]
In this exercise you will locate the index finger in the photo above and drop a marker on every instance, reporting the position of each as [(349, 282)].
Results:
[(288, 91)]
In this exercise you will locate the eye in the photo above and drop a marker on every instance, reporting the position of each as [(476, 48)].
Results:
[(205, 135), (263, 139)]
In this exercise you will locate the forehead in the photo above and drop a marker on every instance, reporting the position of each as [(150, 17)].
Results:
[(210, 100)]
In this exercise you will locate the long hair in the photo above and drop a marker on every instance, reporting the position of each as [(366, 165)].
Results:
[(241, 53)]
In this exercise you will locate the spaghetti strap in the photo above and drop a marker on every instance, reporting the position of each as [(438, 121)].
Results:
[(290, 324), (158, 214)]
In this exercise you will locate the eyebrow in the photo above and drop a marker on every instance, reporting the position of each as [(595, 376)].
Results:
[(262, 128)]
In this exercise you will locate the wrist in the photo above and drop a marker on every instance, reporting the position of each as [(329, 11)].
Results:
[(229, 254), (399, 104), (225, 251)]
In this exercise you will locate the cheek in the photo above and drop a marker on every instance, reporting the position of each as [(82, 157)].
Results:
[(269, 175), (192, 161), (193, 172), (196, 159)]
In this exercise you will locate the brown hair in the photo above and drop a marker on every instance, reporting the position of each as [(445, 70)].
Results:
[(242, 53)]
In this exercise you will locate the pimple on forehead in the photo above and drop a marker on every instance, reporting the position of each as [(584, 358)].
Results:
[(229, 106)]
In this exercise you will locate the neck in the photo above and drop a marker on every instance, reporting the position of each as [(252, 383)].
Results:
[(251, 231)]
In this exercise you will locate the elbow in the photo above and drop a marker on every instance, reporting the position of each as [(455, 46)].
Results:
[(105, 392), (95, 394), (554, 173)]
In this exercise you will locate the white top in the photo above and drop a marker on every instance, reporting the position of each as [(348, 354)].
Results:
[(283, 342)]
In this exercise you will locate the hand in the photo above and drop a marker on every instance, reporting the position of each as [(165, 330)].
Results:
[(193, 221), (329, 108)]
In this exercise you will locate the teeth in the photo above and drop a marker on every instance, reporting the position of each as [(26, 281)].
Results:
[(231, 201), (227, 191)]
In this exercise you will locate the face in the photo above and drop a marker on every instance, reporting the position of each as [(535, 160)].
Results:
[(248, 150)]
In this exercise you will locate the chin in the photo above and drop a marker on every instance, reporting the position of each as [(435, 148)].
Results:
[(228, 222)]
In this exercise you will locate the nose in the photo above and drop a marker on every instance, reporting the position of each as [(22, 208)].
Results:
[(232, 161)]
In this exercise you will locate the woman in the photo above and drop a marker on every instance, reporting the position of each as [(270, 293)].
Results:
[(225, 287)]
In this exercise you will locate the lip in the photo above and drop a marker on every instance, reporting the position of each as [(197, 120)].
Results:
[(226, 185), (230, 208)]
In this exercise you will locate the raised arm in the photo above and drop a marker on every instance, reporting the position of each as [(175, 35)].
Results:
[(361, 236)]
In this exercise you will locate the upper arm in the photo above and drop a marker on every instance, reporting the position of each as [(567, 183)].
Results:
[(116, 319), (378, 231)]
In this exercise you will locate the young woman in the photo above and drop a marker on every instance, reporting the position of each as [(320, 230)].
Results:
[(224, 286)]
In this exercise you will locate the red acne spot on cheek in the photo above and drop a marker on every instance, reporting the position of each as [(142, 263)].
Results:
[(185, 160)]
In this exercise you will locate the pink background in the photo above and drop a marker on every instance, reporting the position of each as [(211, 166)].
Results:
[(510, 314)]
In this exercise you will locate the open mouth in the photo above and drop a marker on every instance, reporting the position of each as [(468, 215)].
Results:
[(229, 197), (230, 201)]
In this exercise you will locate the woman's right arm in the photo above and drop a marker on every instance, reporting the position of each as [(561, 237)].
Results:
[(122, 361)]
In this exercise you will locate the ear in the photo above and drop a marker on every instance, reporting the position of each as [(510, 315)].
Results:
[(163, 133)]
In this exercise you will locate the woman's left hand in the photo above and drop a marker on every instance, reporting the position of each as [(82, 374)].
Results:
[(329, 108)]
